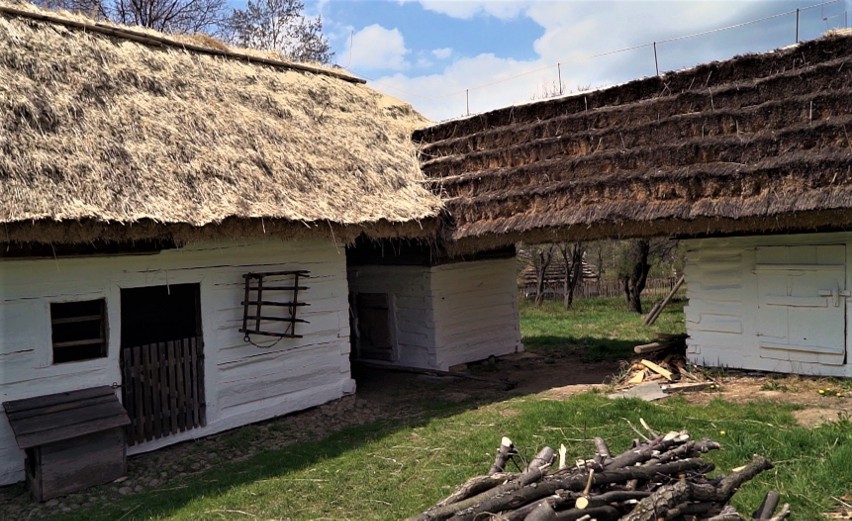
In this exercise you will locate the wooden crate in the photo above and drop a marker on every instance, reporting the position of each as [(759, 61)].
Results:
[(72, 440)]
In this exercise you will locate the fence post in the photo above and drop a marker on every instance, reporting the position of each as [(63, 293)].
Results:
[(657, 63), (797, 25)]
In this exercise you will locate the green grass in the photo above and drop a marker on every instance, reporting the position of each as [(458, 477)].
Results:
[(389, 472), (393, 470), (596, 329)]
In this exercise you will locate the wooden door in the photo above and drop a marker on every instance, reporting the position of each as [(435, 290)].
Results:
[(162, 360), (374, 331), (802, 303)]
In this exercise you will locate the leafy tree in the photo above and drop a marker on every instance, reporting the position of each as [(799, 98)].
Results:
[(279, 25)]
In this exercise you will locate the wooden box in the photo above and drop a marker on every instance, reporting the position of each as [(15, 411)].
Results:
[(72, 440)]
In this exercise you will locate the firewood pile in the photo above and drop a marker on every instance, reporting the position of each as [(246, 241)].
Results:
[(659, 478), (663, 360)]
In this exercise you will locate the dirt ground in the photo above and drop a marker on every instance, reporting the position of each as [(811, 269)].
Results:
[(392, 395)]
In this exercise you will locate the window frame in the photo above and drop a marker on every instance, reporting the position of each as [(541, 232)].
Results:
[(71, 340)]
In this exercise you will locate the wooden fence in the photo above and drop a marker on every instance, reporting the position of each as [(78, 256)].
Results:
[(587, 288), (163, 388)]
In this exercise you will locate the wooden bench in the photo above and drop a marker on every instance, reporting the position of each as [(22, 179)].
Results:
[(73, 440)]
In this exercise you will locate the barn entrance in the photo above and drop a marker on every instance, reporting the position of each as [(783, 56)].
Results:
[(162, 360), (802, 303)]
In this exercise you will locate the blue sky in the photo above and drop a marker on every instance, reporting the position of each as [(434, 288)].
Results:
[(448, 57)]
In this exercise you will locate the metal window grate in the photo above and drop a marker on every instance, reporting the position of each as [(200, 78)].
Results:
[(271, 302)]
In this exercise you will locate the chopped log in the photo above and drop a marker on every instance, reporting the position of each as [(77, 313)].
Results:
[(657, 369), (476, 485), (767, 506), (652, 347), (504, 452)]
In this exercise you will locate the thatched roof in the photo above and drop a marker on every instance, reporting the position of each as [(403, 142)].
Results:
[(758, 143), (110, 132)]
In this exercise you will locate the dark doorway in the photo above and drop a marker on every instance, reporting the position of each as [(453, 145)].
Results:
[(373, 333), (162, 360)]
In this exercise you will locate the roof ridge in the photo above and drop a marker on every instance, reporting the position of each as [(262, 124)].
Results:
[(153, 40)]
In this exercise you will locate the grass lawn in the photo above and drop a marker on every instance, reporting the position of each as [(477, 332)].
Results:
[(391, 471), (595, 329)]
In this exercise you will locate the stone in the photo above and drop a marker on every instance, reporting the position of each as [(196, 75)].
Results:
[(649, 392), (125, 491)]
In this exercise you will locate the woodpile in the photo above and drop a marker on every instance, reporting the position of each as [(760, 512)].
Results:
[(663, 360), (659, 478)]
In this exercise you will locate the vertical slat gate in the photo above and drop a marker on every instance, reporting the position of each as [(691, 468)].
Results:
[(163, 388)]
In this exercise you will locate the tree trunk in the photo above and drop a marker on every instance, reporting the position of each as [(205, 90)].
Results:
[(572, 262), (634, 283), (542, 261)]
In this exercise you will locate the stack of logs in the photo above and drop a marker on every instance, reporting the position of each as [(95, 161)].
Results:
[(660, 478), (664, 360)]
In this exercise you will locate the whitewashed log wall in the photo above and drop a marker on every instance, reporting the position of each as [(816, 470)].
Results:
[(243, 383), (448, 314), (740, 317)]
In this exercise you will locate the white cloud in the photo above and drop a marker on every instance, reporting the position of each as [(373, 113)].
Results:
[(467, 9), (442, 53), (376, 47), (579, 36)]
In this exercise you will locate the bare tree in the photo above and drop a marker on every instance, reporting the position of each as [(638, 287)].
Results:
[(541, 257), (638, 257), (279, 25), (175, 16), (572, 262)]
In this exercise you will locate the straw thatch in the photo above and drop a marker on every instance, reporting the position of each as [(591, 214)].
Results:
[(116, 133), (759, 143)]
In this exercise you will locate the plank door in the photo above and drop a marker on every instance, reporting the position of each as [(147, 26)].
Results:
[(162, 361), (374, 331), (802, 303)]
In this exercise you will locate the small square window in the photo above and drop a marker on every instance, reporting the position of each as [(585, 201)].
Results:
[(79, 330)]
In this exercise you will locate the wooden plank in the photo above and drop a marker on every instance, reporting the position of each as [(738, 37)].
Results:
[(657, 369), (50, 400), (72, 320), (75, 343), (156, 392), (60, 408), (39, 431), (179, 389), (259, 302), (271, 303), (187, 373), (201, 402), (147, 391), (170, 384), (139, 431), (193, 387)]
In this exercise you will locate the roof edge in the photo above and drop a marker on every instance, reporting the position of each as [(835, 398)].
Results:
[(161, 41)]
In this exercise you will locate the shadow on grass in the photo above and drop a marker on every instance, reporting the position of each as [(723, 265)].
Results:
[(589, 349), (269, 464)]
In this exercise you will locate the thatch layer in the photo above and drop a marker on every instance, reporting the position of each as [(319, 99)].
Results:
[(98, 128), (754, 144)]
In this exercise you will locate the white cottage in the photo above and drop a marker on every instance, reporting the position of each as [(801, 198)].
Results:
[(174, 224), (415, 306), (750, 159)]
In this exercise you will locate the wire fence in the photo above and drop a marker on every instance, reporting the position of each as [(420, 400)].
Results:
[(654, 49)]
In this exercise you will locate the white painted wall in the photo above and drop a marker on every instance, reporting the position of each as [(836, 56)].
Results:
[(448, 314), (243, 383), (476, 310), (739, 287)]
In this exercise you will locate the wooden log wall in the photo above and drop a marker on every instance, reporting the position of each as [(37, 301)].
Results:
[(243, 383), (723, 316)]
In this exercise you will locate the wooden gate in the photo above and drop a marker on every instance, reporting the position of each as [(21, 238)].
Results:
[(163, 388)]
